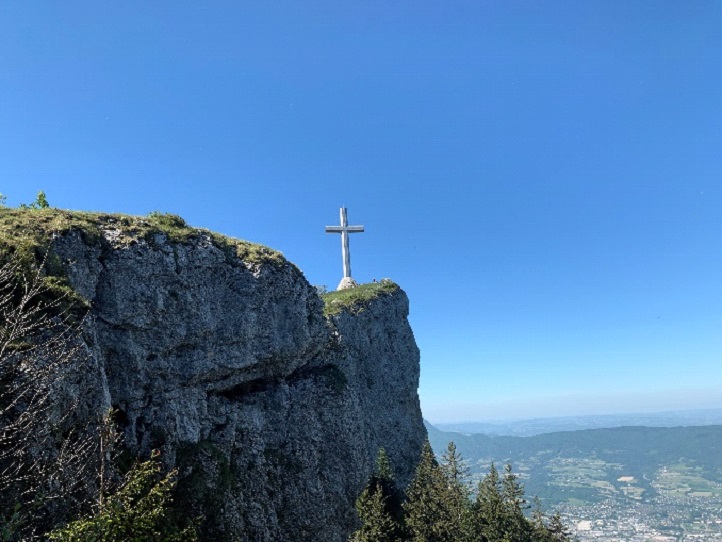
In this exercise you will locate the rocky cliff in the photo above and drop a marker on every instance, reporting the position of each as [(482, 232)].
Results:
[(218, 353)]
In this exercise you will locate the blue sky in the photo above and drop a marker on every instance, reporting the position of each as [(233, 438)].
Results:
[(543, 179)]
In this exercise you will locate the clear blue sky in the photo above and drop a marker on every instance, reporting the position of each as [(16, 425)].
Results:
[(544, 179)]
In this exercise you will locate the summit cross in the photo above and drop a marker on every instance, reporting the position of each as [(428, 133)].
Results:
[(344, 229)]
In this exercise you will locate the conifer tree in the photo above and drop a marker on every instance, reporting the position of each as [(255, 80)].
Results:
[(557, 529), (456, 494), (538, 525), (384, 470), (377, 526), (488, 510), (515, 504), (438, 506), (422, 508), (138, 510), (385, 479), (429, 516), (380, 505)]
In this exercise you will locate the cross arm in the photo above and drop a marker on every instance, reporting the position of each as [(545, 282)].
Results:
[(341, 229)]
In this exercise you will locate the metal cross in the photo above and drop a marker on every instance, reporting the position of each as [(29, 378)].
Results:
[(344, 229)]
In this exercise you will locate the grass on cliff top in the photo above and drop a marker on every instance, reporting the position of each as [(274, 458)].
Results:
[(356, 299), (26, 233)]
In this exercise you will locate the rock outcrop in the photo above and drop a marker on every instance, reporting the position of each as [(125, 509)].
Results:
[(272, 412)]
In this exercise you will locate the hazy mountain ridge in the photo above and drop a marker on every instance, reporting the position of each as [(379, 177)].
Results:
[(536, 426), (594, 464)]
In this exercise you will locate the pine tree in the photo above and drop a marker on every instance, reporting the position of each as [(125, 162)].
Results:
[(488, 510), (379, 506), (540, 532), (139, 510), (557, 529), (384, 470), (456, 495), (41, 202), (378, 526), (385, 479), (428, 516), (438, 507), (514, 505)]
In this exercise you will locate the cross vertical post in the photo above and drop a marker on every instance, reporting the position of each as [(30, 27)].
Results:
[(344, 229)]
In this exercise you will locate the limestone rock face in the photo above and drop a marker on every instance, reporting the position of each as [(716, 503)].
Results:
[(272, 413)]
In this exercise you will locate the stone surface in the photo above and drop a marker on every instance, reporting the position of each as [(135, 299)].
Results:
[(346, 283), (272, 413)]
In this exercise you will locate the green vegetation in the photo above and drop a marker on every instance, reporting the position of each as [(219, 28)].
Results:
[(355, 300), (202, 489), (41, 202), (680, 481), (591, 466), (27, 232), (139, 511), (11, 524), (380, 506), (438, 506)]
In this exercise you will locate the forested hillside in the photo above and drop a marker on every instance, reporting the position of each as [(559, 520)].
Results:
[(595, 464), (440, 506)]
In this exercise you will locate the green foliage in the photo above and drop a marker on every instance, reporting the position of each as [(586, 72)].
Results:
[(41, 202), (439, 508), (26, 233), (246, 251), (430, 511), (557, 530), (515, 504), (378, 526), (356, 299), (380, 506), (498, 512), (455, 493), (3, 200), (488, 509), (11, 524), (384, 470), (138, 512), (167, 219)]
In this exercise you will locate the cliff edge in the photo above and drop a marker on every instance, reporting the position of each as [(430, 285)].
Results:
[(218, 353)]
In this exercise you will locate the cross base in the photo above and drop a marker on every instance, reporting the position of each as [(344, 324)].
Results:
[(346, 283)]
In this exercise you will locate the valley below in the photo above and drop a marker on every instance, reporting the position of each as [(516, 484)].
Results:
[(660, 484)]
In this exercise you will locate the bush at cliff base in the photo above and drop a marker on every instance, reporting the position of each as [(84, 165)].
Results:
[(140, 511)]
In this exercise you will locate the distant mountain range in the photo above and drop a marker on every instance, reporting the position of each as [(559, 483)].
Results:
[(592, 465), (537, 426)]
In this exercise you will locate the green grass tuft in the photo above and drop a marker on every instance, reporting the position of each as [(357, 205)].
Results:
[(356, 299)]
